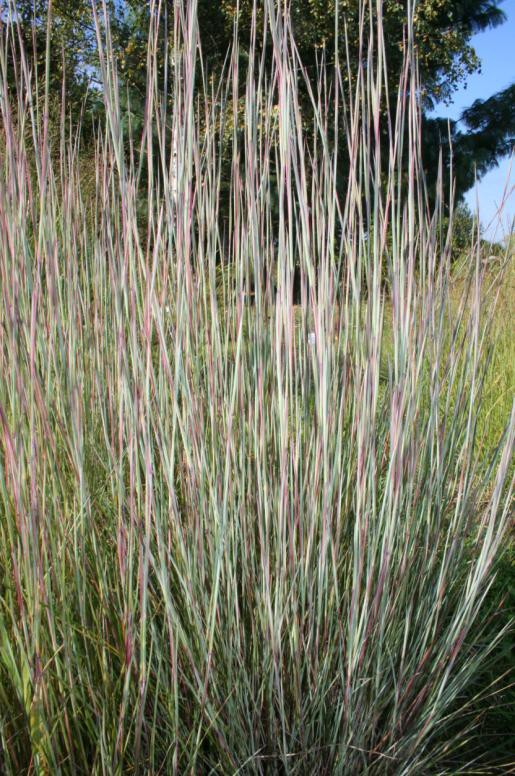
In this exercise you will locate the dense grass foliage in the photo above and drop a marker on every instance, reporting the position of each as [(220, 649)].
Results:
[(238, 534)]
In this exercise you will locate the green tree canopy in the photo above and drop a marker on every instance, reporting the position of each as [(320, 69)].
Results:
[(472, 153), (443, 32)]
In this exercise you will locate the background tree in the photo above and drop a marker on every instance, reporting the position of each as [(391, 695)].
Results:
[(472, 153), (443, 32), (72, 42)]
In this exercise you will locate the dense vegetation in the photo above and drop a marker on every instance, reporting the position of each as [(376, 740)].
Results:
[(442, 32), (241, 534)]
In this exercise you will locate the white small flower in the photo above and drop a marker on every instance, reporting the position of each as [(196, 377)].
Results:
[(311, 338)]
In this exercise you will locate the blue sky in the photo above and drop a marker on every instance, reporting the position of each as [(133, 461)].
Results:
[(496, 49)]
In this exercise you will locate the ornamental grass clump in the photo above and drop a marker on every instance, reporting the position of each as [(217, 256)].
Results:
[(229, 543)]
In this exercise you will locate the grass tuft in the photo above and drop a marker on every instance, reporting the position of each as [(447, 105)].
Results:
[(256, 440)]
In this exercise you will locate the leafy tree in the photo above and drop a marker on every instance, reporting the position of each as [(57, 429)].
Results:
[(491, 136), (492, 126), (71, 40), (443, 31)]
